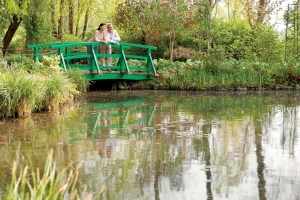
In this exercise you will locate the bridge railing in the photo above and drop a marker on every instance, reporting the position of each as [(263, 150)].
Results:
[(91, 54), (37, 55)]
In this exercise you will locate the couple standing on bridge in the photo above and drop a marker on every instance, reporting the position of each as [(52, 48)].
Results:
[(106, 35)]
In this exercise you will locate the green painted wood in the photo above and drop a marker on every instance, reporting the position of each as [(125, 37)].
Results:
[(108, 55), (73, 44), (124, 61), (116, 68), (93, 70), (68, 52), (95, 60), (63, 61), (73, 57), (137, 46), (136, 57), (44, 45), (121, 61), (36, 53), (141, 69), (136, 77)]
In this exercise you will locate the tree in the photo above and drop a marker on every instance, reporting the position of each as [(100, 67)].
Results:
[(80, 10), (37, 24), (71, 16), (13, 13), (234, 9), (154, 22), (257, 11), (61, 19), (173, 17), (204, 17), (87, 16)]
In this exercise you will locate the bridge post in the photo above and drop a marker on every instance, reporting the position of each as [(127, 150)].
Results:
[(148, 61), (150, 65), (68, 52), (62, 60), (122, 62), (36, 53), (92, 61)]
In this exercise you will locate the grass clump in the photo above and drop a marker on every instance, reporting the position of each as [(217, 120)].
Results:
[(28, 183), (228, 74), (20, 92), (75, 77), (30, 87)]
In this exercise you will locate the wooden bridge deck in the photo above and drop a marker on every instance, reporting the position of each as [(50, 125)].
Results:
[(85, 57)]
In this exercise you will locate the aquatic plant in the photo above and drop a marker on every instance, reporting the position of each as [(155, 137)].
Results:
[(48, 183), (75, 77), (20, 92), (29, 87)]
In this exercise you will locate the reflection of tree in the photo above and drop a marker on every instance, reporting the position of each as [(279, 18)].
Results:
[(289, 131), (206, 148), (260, 161), (156, 178), (169, 156)]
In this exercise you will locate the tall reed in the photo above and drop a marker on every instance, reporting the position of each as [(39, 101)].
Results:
[(28, 183), (28, 87), (228, 74)]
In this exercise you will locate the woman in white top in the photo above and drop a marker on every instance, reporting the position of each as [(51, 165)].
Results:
[(113, 37), (99, 36)]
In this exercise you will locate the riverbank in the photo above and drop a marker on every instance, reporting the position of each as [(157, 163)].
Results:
[(226, 75), (28, 86)]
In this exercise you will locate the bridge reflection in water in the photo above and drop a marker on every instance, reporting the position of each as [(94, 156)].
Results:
[(117, 118)]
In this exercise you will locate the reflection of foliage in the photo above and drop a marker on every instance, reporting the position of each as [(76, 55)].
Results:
[(219, 105)]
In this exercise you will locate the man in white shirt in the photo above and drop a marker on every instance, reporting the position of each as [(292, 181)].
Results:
[(113, 37)]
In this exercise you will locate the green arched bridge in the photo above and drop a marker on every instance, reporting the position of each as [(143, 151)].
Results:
[(86, 57)]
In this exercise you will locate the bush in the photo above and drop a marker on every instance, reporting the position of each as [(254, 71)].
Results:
[(229, 74), (28, 88)]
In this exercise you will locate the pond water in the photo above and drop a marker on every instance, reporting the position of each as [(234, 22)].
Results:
[(168, 145)]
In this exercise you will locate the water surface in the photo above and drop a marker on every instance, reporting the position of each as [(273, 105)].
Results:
[(168, 145)]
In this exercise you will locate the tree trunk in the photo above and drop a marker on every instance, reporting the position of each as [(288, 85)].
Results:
[(171, 46), (261, 13), (14, 25), (71, 17), (61, 21), (54, 23), (78, 18), (86, 20)]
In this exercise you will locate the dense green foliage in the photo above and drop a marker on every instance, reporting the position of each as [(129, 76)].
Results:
[(28, 87), (229, 75), (216, 50), (182, 30)]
